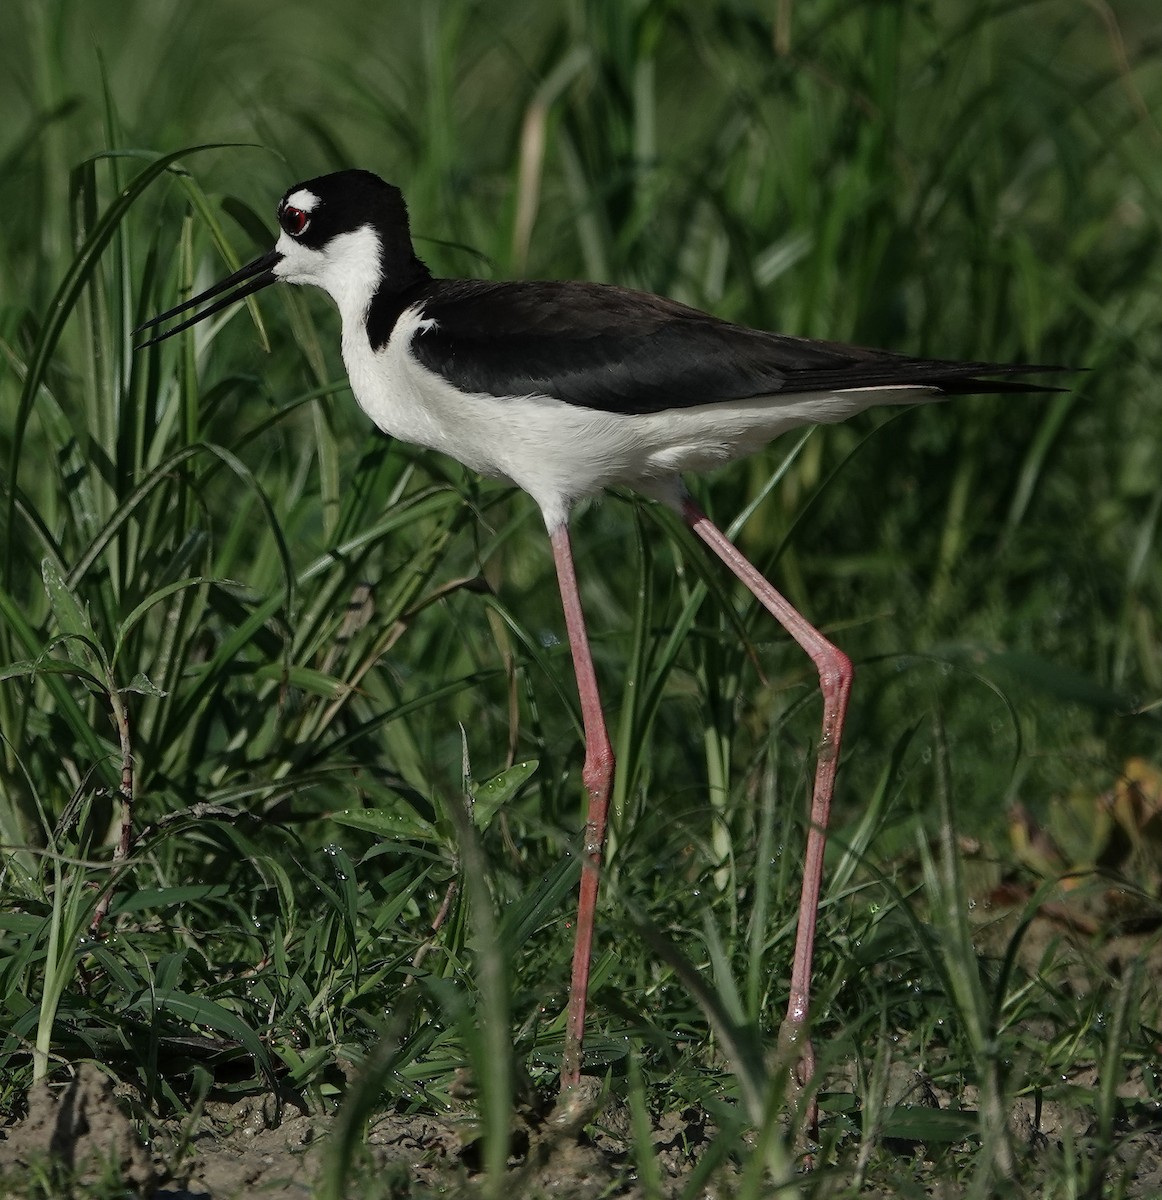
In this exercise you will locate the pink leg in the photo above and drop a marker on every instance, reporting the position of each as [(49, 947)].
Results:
[(597, 776), (835, 676)]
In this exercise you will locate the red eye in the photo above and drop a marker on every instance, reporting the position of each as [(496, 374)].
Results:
[(294, 220)]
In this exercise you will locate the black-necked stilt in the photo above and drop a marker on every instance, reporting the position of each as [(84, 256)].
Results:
[(566, 389)]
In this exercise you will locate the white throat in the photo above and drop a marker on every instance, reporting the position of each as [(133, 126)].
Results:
[(349, 269)]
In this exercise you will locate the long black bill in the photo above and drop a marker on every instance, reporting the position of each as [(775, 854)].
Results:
[(246, 280)]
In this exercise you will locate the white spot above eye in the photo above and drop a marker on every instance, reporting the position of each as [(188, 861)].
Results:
[(304, 200)]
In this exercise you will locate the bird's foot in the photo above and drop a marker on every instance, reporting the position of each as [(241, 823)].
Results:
[(577, 1104), (795, 1053)]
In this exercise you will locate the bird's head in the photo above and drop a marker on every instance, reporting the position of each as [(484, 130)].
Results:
[(346, 233)]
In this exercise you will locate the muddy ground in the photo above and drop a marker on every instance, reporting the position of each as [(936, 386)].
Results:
[(246, 1149), (236, 1153)]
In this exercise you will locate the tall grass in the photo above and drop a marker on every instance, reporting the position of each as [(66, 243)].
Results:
[(287, 629)]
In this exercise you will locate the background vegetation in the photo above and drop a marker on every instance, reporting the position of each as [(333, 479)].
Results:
[(299, 644)]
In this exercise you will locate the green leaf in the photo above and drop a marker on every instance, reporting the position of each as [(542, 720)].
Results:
[(538, 905), (390, 825), (71, 617), (79, 640), (149, 899), (491, 795), (143, 686), (917, 1123), (197, 1010)]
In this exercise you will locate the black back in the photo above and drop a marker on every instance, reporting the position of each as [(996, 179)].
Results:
[(616, 350)]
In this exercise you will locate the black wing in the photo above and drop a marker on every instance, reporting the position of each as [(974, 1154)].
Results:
[(616, 350)]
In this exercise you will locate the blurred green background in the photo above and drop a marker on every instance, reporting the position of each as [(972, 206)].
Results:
[(306, 614), (978, 183)]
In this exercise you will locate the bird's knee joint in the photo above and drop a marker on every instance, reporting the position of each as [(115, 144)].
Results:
[(597, 774)]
